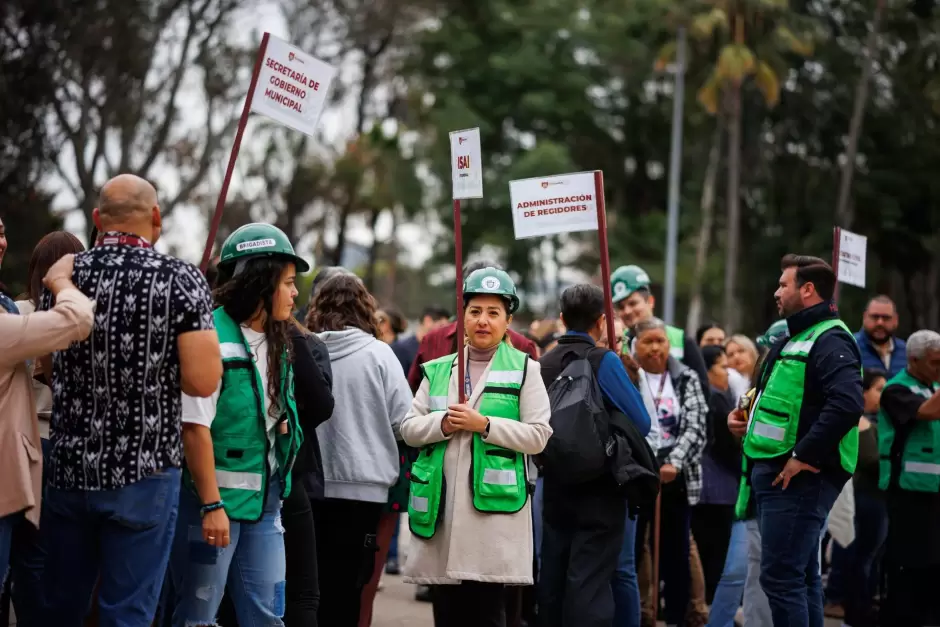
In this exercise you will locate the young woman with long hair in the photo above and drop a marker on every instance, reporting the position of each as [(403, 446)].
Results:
[(241, 442)]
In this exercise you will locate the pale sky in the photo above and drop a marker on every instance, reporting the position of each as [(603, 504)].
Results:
[(187, 228)]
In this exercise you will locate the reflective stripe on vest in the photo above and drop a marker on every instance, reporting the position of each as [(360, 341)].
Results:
[(498, 479), (775, 420), (911, 463), (231, 350)]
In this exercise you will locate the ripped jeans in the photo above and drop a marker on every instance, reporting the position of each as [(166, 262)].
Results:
[(252, 567)]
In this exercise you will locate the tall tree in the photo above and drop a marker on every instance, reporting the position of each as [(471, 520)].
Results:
[(844, 210), (151, 87), (26, 90), (751, 35)]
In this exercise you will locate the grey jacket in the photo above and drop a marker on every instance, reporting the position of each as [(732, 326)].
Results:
[(371, 397)]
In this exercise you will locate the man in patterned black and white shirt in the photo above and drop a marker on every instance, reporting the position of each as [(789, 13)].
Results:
[(114, 476)]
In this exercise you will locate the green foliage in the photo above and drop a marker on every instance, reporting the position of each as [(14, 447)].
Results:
[(567, 85)]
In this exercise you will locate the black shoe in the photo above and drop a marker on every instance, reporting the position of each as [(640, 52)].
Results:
[(391, 567), (423, 594)]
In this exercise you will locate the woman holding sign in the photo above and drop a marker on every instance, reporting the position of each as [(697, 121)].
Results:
[(469, 507)]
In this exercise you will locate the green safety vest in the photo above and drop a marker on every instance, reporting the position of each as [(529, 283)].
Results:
[(911, 462), (775, 418), (239, 430), (675, 335), (497, 475)]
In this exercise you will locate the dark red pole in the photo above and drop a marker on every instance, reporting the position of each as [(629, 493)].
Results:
[(246, 110), (458, 263), (836, 251), (605, 256)]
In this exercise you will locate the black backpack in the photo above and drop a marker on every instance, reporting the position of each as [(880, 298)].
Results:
[(578, 451)]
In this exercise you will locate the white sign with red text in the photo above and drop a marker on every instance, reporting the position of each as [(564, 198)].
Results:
[(852, 253), (549, 205), (466, 163), (292, 86)]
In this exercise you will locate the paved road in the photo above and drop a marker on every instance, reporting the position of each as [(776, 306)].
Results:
[(395, 607)]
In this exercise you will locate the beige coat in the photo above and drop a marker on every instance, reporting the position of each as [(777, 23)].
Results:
[(41, 392), (22, 338), (469, 545)]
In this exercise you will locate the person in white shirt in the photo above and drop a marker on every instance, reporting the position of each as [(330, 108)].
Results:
[(241, 442)]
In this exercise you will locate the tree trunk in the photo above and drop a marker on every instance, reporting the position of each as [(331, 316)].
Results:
[(709, 186), (293, 205), (373, 251), (845, 212), (391, 285), (731, 310), (371, 55)]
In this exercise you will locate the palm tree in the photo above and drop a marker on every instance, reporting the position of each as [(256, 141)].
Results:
[(751, 37)]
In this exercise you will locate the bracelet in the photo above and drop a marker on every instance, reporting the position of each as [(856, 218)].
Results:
[(211, 507)]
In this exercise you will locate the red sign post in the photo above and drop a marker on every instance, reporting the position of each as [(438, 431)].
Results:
[(458, 264), (291, 88), (242, 122), (467, 181)]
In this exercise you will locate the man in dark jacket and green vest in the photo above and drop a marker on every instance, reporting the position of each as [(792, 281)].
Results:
[(802, 435), (909, 449)]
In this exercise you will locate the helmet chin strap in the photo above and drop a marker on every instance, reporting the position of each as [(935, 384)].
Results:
[(240, 266)]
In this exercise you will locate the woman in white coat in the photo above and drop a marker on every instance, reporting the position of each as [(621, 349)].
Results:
[(469, 509)]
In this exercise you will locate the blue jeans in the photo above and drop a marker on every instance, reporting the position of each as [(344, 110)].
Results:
[(252, 567), (393, 542), (791, 525), (756, 606), (730, 588), (625, 587), (121, 536)]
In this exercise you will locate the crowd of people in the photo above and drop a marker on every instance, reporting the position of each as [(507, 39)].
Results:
[(182, 450)]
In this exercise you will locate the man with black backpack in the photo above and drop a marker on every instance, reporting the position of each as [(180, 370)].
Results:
[(596, 451)]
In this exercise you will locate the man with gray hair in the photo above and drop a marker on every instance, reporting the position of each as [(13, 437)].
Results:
[(909, 447)]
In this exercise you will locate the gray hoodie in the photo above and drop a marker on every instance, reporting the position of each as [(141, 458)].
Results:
[(371, 394)]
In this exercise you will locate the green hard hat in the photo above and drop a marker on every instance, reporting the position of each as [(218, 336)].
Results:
[(773, 333), (627, 279), (259, 240), (491, 281)]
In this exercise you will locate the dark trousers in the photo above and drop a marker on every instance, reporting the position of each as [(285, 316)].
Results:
[(388, 523), (469, 604), (912, 599), (27, 558), (871, 531), (791, 524), (711, 528), (300, 545), (674, 528), (123, 536), (580, 548), (346, 547)]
